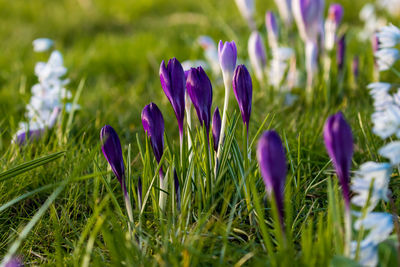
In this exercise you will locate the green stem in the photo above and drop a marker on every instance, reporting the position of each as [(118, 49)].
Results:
[(208, 163)]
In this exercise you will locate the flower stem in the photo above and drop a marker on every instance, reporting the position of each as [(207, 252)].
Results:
[(227, 83)]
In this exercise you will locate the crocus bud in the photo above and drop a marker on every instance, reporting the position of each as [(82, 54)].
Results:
[(111, 148), (272, 162), (216, 128), (153, 125), (257, 55), (246, 8), (173, 82), (341, 53), (339, 144), (227, 54), (335, 15), (285, 10), (308, 15), (200, 91), (243, 89), (272, 29)]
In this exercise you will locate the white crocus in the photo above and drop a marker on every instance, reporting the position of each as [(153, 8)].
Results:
[(370, 174), (379, 225), (42, 44), (392, 152), (389, 36), (386, 58)]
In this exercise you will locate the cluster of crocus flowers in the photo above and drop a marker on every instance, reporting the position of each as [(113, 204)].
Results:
[(48, 95)]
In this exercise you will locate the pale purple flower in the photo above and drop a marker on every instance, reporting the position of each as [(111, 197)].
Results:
[(272, 29), (308, 15), (257, 55), (227, 54)]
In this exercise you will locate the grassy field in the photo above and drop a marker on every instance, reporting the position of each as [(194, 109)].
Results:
[(113, 49)]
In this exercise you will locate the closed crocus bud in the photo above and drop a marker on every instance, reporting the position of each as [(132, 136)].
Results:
[(200, 91), (272, 29), (216, 128), (285, 10), (339, 144), (272, 161), (335, 15), (257, 55), (243, 89), (111, 148), (341, 53), (153, 125), (173, 82), (308, 15), (227, 54)]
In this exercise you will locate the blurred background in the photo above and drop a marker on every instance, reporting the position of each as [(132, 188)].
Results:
[(117, 47)]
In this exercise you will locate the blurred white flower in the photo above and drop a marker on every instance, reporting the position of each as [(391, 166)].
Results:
[(389, 36), (386, 58), (246, 8), (42, 44), (368, 255), (370, 171), (386, 122), (391, 6), (47, 99), (379, 224), (392, 152), (372, 22), (210, 53)]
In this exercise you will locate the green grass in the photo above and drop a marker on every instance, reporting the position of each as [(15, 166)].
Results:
[(116, 48)]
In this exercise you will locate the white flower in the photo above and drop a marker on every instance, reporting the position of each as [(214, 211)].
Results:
[(379, 224), (210, 52), (379, 173), (246, 8), (379, 87), (389, 36), (42, 44), (368, 255), (387, 121), (285, 10), (391, 6), (392, 152), (367, 12), (386, 58)]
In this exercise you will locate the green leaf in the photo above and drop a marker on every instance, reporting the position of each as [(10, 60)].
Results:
[(341, 261), (30, 165)]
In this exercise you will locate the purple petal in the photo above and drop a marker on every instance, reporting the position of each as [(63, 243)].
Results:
[(243, 89), (153, 125)]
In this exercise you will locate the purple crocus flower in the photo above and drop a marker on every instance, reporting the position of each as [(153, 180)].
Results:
[(243, 89), (339, 144), (257, 55), (335, 15), (153, 125), (272, 29), (272, 161), (31, 135), (216, 128), (227, 54), (200, 91), (173, 83), (341, 52), (308, 15), (111, 148)]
